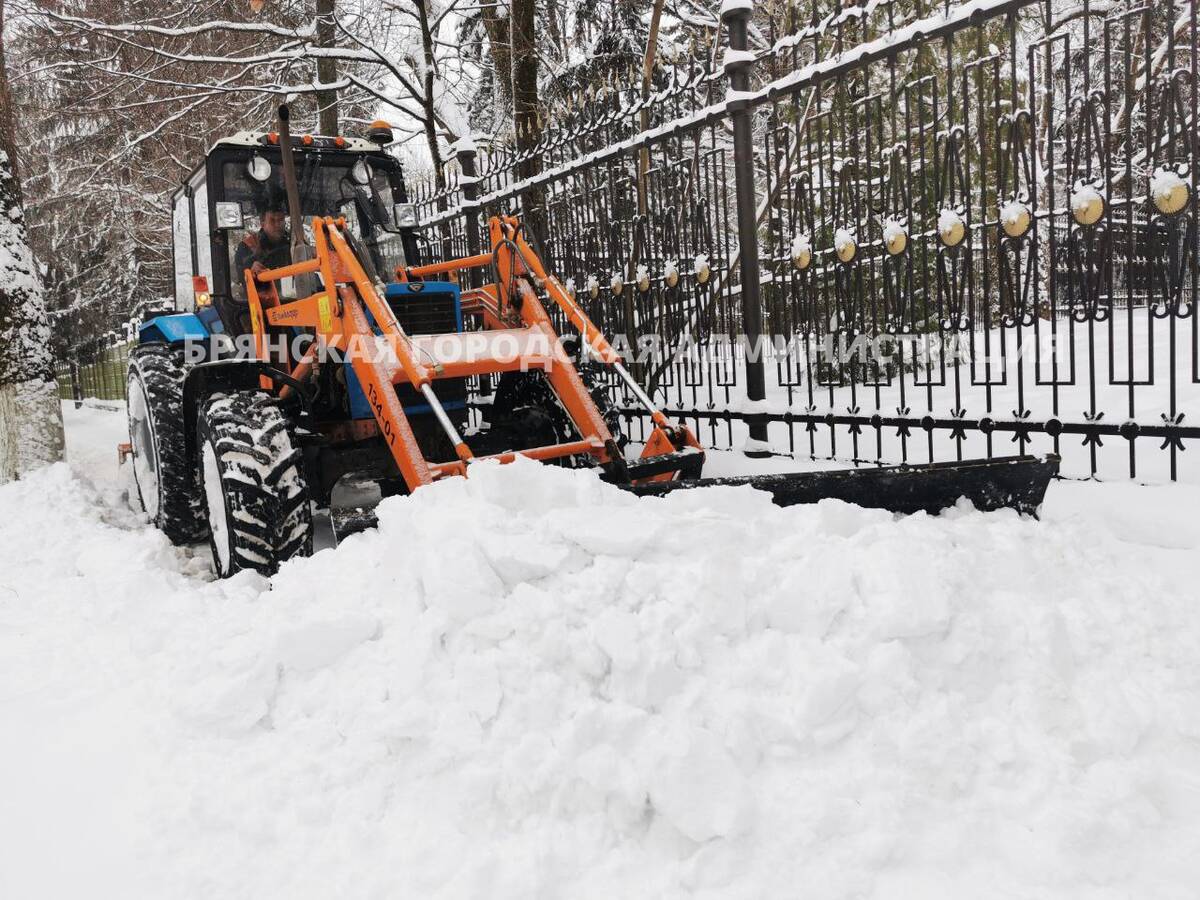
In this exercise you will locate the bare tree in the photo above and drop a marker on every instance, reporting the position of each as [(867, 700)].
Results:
[(127, 106), (31, 432)]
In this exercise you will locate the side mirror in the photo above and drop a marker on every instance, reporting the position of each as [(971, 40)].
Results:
[(258, 168), (361, 172), (229, 215)]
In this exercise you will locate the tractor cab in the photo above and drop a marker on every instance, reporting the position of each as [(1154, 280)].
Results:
[(225, 198)]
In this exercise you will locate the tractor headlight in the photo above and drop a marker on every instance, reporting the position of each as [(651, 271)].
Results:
[(405, 215), (229, 214)]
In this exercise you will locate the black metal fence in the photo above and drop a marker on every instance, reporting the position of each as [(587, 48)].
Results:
[(962, 228)]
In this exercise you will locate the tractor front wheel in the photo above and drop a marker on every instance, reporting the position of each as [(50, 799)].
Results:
[(255, 492)]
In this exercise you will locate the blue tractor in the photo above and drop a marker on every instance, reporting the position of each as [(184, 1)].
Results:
[(215, 456)]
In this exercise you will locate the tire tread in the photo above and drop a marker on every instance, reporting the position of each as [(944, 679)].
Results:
[(270, 516), (161, 370)]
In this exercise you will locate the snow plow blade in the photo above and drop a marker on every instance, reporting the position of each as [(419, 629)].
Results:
[(1011, 482)]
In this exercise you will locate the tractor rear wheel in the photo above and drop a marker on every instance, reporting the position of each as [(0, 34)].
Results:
[(165, 481), (255, 493)]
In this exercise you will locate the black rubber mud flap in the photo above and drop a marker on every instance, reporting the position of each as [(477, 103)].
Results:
[(352, 506), (1012, 482)]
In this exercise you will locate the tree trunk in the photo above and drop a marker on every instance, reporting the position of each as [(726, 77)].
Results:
[(644, 118), (526, 109), (633, 327), (327, 101), (8, 142), (500, 40), (31, 431), (524, 76), (429, 102)]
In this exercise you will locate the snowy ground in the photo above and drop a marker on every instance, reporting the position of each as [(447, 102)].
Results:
[(532, 685)]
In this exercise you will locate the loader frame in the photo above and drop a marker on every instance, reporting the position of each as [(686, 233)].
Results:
[(349, 314)]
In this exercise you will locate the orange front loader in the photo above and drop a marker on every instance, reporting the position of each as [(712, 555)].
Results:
[(243, 450), (349, 314)]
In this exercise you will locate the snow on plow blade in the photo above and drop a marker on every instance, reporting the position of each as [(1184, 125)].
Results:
[(1011, 482)]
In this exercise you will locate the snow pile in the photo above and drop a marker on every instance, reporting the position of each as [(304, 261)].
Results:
[(843, 239), (532, 684)]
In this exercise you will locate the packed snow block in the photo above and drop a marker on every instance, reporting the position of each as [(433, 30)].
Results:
[(523, 485), (317, 644), (699, 789), (231, 697), (517, 561), (463, 589), (617, 634)]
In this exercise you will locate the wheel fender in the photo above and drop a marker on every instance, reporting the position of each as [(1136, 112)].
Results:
[(225, 375), (173, 329)]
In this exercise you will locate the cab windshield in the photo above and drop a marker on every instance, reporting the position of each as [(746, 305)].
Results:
[(344, 186)]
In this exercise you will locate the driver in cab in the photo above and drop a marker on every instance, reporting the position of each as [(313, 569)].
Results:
[(267, 248)]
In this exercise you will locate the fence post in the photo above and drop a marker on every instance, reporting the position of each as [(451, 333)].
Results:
[(466, 152), (469, 180), (76, 387), (735, 14)]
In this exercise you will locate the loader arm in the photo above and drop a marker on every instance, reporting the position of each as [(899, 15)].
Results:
[(672, 450), (350, 314)]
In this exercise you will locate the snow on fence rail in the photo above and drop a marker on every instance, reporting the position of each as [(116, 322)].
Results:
[(989, 173)]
